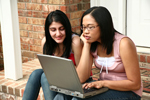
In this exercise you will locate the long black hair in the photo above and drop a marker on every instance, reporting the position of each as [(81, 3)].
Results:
[(50, 45), (104, 20)]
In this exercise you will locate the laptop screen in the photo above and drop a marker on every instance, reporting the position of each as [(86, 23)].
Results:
[(60, 72)]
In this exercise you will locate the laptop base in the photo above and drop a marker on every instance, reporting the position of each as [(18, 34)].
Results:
[(77, 94)]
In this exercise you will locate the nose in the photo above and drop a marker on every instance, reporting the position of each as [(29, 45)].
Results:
[(86, 30), (58, 33)]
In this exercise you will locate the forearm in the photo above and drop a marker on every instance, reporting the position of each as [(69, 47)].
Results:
[(122, 85), (85, 64)]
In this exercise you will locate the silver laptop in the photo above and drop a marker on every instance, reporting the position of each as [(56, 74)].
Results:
[(62, 77)]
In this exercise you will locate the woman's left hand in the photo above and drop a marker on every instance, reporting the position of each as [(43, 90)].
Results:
[(96, 84)]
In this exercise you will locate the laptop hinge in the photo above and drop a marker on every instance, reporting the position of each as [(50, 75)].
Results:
[(53, 86)]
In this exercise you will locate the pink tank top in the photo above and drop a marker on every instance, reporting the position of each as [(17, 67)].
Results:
[(116, 71)]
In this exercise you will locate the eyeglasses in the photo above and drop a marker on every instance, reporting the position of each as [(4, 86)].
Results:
[(88, 28)]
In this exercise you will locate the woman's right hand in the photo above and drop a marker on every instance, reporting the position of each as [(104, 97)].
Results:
[(85, 42), (84, 39)]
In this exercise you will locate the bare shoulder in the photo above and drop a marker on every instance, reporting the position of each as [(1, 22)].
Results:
[(127, 47), (76, 41), (126, 43), (76, 48)]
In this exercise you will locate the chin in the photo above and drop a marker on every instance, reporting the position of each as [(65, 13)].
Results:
[(89, 41), (59, 41)]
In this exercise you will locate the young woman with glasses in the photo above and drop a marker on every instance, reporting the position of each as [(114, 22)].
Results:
[(111, 52)]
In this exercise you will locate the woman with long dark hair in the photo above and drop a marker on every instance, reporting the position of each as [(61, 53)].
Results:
[(111, 52), (59, 41)]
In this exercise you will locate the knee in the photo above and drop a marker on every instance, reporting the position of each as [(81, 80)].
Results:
[(43, 75), (36, 74), (74, 98), (59, 96), (43, 78)]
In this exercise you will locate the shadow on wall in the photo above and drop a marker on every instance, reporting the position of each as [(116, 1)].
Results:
[(1, 51)]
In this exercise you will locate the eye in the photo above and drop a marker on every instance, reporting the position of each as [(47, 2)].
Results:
[(52, 29), (62, 28), (83, 27), (91, 27)]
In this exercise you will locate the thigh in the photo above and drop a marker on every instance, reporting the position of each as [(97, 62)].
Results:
[(113, 95), (48, 94), (34, 79), (36, 75), (61, 96), (33, 85)]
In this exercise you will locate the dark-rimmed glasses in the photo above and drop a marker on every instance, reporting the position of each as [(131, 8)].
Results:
[(89, 28)]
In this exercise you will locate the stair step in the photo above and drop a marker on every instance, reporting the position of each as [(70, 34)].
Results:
[(145, 96)]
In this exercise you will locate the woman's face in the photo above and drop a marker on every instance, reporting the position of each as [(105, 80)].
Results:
[(57, 32), (91, 29)]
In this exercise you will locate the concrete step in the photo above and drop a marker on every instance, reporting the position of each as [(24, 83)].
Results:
[(145, 96)]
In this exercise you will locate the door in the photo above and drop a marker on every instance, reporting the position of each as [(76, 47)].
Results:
[(132, 18), (117, 9), (138, 23)]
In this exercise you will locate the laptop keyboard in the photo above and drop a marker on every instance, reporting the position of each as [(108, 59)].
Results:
[(89, 90)]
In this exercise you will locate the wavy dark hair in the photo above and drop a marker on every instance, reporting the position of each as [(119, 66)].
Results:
[(50, 45), (104, 20)]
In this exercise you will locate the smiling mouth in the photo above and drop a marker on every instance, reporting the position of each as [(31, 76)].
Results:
[(58, 38)]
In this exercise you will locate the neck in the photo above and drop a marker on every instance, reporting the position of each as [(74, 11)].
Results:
[(59, 50), (99, 41)]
